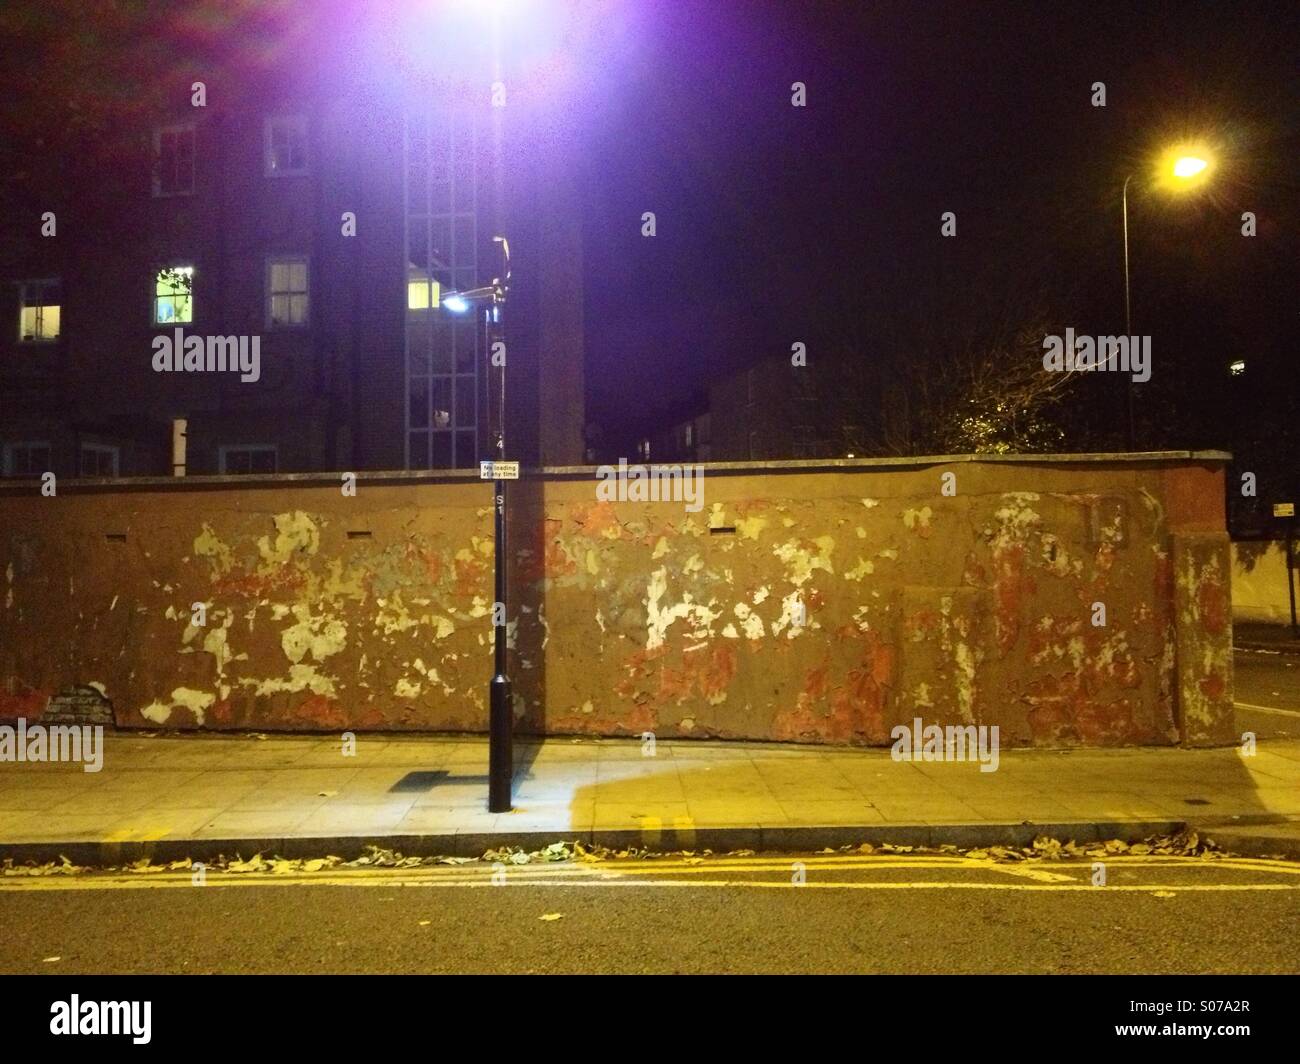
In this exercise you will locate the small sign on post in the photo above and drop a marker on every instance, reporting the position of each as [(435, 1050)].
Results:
[(498, 470)]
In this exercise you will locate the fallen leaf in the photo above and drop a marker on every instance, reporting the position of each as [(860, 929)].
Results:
[(253, 864), (550, 916), (51, 960)]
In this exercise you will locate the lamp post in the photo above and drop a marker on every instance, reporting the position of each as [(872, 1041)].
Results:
[(1128, 316), (492, 298), (1185, 169)]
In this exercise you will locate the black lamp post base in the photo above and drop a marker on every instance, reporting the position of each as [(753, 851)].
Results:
[(500, 754)]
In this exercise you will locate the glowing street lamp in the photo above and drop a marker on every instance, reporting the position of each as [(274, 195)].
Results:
[(1188, 166), (1179, 169)]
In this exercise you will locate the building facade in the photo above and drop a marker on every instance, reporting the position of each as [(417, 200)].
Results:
[(312, 226)]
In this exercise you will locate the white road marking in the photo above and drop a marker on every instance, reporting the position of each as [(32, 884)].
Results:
[(1268, 709)]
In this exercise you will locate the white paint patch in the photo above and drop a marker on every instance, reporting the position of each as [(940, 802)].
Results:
[(750, 621), (318, 636), (302, 677), (914, 520), (801, 562), (659, 618), (863, 568)]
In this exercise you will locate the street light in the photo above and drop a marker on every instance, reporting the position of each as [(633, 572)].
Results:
[(500, 713), (1180, 168), (1189, 166)]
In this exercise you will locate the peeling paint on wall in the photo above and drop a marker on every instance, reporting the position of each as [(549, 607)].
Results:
[(799, 607)]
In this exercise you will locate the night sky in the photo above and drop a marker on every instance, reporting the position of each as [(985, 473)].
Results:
[(777, 224), (821, 224)]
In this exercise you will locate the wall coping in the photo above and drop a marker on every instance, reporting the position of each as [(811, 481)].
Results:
[(458, 476)]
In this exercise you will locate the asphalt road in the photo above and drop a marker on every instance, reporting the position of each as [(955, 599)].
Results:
[(876, 914), (1267, 692), (901, 914)]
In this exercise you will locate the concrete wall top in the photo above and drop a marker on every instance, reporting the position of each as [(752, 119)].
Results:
[(815, 465)]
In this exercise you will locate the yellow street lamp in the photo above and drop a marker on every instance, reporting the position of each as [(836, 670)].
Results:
[(1179, 168), (1188, 166)]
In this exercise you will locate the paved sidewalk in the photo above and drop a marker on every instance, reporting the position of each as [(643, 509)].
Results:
[(1254, 635), (195, 796)]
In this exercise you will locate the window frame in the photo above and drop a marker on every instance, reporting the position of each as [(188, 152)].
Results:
[(280, 260), (23, 303), (188, 126), (225, 449), (154, 297), (7, 457), (299, 120), (101, 448)]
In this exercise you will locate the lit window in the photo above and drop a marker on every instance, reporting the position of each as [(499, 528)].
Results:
[(173, 295), (98, 460), (422, 292), (1238, 367), (286, 146), (286, 292), (173, 173), (39, 311), (255, 458), (26, 459)]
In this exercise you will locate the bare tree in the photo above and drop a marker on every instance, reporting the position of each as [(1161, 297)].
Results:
[(961, 364)]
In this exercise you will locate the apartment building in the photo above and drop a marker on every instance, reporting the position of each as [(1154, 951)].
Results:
[(321, 221)]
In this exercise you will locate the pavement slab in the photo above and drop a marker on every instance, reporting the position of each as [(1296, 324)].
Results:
[(188, 794)]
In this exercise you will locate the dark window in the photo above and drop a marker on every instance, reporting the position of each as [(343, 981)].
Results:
[(248, 459), (26, 459), (174, 161)]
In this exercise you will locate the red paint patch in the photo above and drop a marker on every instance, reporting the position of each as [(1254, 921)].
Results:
[(595, 519), (1212, 686), (29, 704), (283, 581)]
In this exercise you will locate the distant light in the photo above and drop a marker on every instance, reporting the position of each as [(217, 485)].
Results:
[(1238, 367), (455, 302), (850, 455), (1189, 166)]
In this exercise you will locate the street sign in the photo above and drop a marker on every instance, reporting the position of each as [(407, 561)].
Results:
[(498, 470), (1284, 509)]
